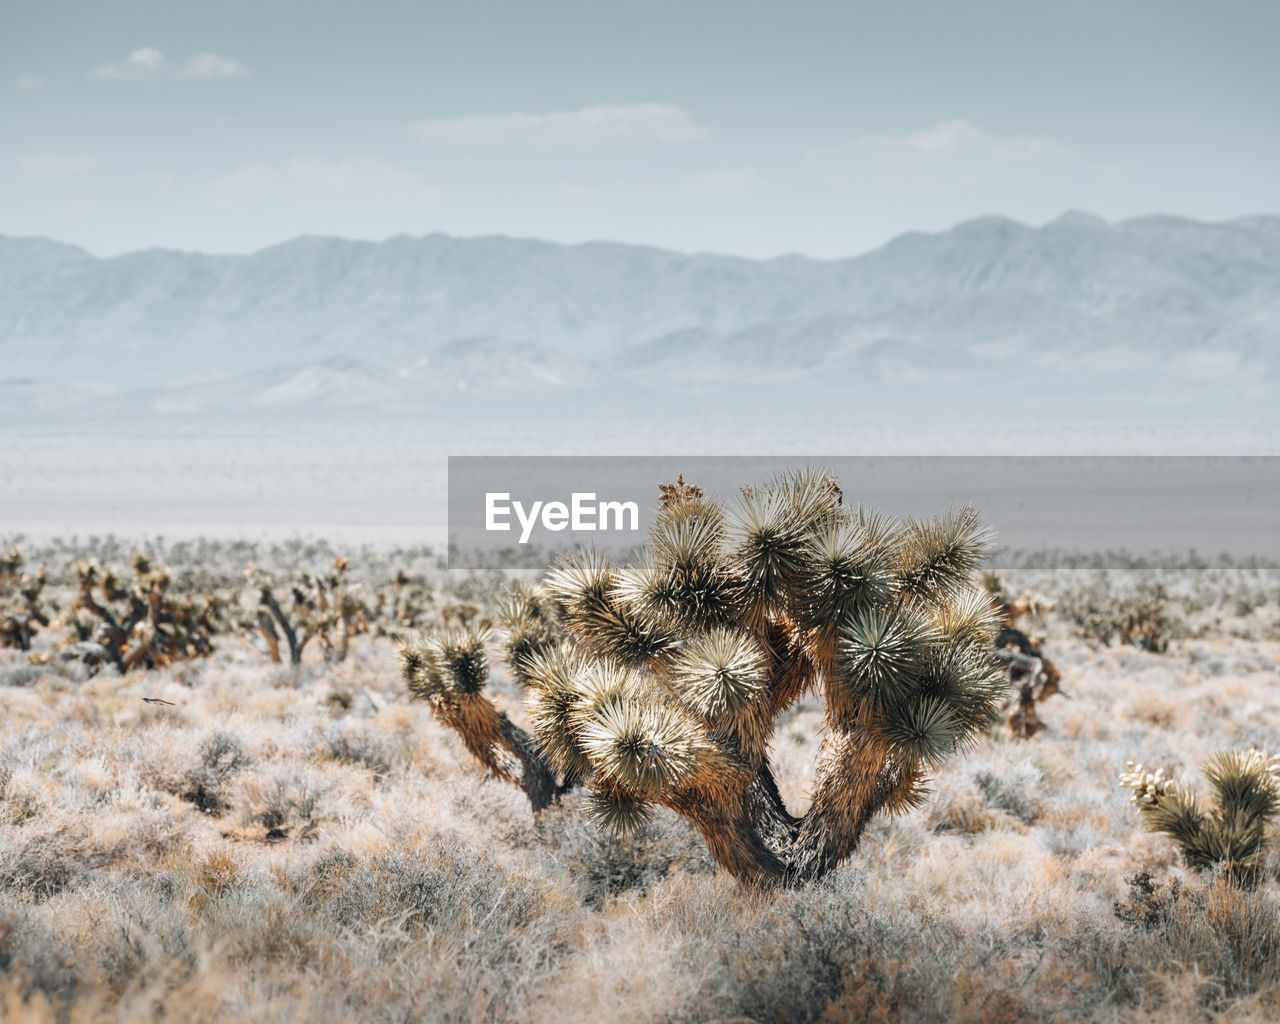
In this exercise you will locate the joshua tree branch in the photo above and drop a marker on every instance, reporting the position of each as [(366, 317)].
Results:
[(290, 634)]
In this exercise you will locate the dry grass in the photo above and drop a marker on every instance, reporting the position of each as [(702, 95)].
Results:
[(318, 848)]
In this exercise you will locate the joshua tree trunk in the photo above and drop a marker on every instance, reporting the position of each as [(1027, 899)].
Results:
[(500, 745), (286, 627)]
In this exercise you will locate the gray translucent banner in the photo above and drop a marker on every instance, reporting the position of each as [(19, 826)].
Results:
[(507, 511)]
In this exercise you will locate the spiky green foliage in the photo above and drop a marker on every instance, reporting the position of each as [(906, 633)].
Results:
[(601, 606), (531, 626), (721, 673), (1232, 833), (673, 670)]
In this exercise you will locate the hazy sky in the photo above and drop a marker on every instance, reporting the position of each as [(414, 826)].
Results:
[(727, 125)]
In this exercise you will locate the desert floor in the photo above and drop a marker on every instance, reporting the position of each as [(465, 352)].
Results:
[(312, 845)]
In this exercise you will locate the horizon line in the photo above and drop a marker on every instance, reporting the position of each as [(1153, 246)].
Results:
[(1072, 214)]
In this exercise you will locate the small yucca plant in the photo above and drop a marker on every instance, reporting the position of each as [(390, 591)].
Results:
[(1231, 834), (670, 673)]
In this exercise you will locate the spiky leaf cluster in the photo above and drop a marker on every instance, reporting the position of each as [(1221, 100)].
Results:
[(449, 662), (1231, 833), (530, 622)]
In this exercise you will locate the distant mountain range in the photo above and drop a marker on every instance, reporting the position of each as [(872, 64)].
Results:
[(1078, 307)]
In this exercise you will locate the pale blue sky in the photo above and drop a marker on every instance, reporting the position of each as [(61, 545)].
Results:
[(726, 125)]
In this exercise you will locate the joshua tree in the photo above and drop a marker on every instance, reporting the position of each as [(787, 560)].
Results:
[(1032, 677), (1231, 834), (406, 605), (323, 606), (672, 671), (25, 614), (138, 624), (10, 563)]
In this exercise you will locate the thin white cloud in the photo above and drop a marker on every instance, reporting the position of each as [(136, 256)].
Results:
[(590, 129), (953, 142), (29, 81), (205, 67), (53, 166), (146, 62), (149, 63)]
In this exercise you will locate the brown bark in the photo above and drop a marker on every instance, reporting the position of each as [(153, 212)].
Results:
[(506, 750)]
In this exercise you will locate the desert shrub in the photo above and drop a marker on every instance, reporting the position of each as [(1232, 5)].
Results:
[(286, 808), (34, 958), (1232, 833), (359, 745), (1229, 935), (144, 948), (203, 880), (20, 674), (17, 807), (421, 887), (1068, 841), (339, 698), (1142, 616), (1015, 792), (474, 939), (673, 670), (827, 954), (222, 757), (831, 956), (602, 865), (40, 867), (959, 806), (1148, 904)]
